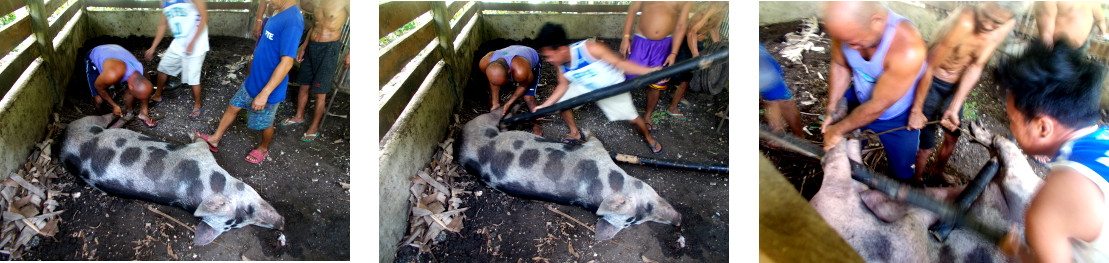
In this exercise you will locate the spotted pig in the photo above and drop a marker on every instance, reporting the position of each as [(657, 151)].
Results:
[(125, 163), (523, 164)]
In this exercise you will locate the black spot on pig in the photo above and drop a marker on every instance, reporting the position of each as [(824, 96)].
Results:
[(250, 210), (879, 247), (615, 181), (528, 191), (120, 142), (595, 187), (472, 166), (95, 130), (528, 158), (240, 186), (571, 146), (174, 146), (946, 255), (217, 181), (101, 160), (72, 163), (517, 144), (155, 167), (88, 149), (490, 132), (485, 153), (500, 163), (553, 168), (545, 140), (980, 254), (587, 169), (129, 156), (638, 184)]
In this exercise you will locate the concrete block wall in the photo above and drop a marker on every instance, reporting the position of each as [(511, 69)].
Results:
[(408, 146), (521, 26), (144, 23), (26, 109)]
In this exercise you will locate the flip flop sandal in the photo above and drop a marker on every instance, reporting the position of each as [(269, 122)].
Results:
[(651, 127), (258, 156), (312, 136), (658, 146), (205, 137), (581, 137), (289, 122), (197, 114), (676, 116), (149, 122), (152, 102)]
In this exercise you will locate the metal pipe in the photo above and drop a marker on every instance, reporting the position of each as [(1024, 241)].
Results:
[(701, 62), (941, 229), (632, 159)]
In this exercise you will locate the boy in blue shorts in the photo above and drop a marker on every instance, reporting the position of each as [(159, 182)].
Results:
[(265, 87), (779, 102)]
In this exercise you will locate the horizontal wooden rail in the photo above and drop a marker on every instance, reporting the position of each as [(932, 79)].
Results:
[(63, 20), (11, 72), (54, 4), (15, 33), (455, 6), (7, 7), (394, 57), (468, 15), (394, 15), (158, 4), (555, 7)]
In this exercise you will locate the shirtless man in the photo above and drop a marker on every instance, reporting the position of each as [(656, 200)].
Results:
[(658, 39), (319, 57), (880, 56), (956, 60), (517, 65), (108, 65), (1070, 21)]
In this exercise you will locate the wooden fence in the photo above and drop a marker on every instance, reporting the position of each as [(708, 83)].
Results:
[(32, 25), (400, 59)]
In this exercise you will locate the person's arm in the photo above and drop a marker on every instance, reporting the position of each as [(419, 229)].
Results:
[(1067, 206), (600, 51), (275, 79), (300, 51), (679, 34), (962, 28), (971, 74), (258, 19), (110, 75), (629, 21), (700, 20), (902, 64), (839, 77), (1099, 18), (162, 24), (1045, 21), (559, 90), (202, 8), (521, 72)]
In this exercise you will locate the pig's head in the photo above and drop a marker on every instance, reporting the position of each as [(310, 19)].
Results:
[(219, 214), (621, 210)]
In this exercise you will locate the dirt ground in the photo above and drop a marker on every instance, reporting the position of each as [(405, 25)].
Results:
[(301, 180), (503, 228), (809, 85)]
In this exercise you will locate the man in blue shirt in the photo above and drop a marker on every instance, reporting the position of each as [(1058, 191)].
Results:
[(265, 87)]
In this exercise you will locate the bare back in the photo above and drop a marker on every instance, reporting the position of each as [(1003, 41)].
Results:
[(658, 19), (1074, 21), (330, 15)]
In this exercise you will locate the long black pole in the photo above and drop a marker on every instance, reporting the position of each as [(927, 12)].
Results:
[(700, 62), (633, 159)]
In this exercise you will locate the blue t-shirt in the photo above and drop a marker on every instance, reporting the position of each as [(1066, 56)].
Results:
[(280, 38)]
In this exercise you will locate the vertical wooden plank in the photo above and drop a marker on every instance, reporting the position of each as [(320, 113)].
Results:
[(40, 28), (442, 22)]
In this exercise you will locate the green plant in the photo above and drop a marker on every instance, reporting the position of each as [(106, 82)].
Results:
[(970, 110), (7, 19)]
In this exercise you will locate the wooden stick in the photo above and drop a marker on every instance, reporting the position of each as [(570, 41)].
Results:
[(583, 224)]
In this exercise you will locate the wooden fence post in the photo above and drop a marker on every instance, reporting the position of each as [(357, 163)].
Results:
[(40, 28), (443, 32)]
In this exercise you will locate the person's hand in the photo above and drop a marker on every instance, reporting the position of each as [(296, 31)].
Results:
[(544, 105), (117, 111), (189, 49), (259, 103), (300, 55), (670, 60), (625, 46), (950, 119), (258, 30), (149, 54), (827, 119), (831, 139), (917, 120), (346, 61), (1010, 244)]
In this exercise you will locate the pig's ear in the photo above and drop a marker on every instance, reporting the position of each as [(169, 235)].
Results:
[(214, 205), (613, 204), (666, 214), (604, 230), (205, 234)]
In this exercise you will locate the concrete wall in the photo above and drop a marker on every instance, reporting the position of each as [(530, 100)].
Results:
[(520, 26), (926, 21), (408, 146), (26, 109), (780, 12), (144, 23)]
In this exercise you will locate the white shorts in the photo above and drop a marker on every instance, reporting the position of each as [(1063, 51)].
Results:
[(616, 108), (174, 63)]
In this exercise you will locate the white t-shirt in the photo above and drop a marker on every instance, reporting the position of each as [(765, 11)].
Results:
[(183, 18)]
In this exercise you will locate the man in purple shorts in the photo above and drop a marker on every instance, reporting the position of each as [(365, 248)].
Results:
[(658, 39), (265, 87)]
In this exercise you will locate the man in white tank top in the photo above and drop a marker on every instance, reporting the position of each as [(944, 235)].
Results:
[(187, 20), (1066, 218), (586, 66)]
